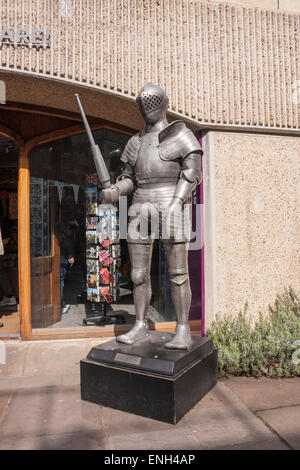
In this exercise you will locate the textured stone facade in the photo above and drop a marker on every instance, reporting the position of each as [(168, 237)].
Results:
[(254, 244), (289, 5), (223, 65)]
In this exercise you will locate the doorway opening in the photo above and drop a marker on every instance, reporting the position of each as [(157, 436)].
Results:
[(9, 285), (65, 208), (55, 177)]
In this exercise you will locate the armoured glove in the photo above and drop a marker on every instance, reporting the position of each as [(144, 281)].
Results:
[(124, 186), (111, 195)]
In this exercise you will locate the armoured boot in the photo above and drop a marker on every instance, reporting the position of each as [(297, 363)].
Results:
[(182, 338), (140, 257), (181, 294), (138, 332)]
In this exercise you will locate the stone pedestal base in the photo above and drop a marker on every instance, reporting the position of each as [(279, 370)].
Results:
[(148, 380)]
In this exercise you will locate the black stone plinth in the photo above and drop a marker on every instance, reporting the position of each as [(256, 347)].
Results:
[(148, 380)]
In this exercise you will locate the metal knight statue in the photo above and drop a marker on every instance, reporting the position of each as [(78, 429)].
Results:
[(161, 169)]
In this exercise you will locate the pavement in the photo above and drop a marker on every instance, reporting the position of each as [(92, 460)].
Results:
[(41, 409)]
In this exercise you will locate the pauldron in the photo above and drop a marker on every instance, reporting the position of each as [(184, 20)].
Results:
[(175, 141), (132, 149)]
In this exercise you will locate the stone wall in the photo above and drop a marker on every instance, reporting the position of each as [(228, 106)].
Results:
[(223, 65), (289, 5), (256, 247)]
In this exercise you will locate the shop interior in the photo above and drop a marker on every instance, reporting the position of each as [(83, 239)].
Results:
[(62, 191), (9, 291), (65, 200)]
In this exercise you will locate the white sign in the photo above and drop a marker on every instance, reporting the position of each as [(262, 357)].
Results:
[(2, 92)]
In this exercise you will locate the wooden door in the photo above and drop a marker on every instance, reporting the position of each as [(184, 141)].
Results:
[(45, 274)]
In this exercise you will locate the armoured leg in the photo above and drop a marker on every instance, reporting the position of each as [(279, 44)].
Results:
[(181, 293), (140, 258)]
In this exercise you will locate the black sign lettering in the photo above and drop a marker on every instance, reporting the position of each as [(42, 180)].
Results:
[(25, 37)]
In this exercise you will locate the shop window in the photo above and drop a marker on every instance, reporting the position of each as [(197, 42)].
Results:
[(9, 285), (63, 195)]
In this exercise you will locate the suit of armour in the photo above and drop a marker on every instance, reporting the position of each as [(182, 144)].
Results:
[(161, 169)]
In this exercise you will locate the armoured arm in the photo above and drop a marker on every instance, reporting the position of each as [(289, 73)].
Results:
[(178, 141), (125, 182), (190, 176), (123, 186)]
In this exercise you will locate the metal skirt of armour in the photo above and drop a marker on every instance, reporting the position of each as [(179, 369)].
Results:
[(148, 217)]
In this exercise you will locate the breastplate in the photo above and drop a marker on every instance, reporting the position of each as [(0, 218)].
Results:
[(149, 167)]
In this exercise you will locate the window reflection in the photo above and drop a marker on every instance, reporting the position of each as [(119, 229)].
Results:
[(59, 220)]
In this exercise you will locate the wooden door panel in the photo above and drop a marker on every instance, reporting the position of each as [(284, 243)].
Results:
[(55, 250), (45, 276), (41, 300)]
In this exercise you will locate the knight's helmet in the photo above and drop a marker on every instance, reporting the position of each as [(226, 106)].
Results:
[(150, 98)]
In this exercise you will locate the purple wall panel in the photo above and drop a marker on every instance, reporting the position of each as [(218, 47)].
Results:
[(196, 260)]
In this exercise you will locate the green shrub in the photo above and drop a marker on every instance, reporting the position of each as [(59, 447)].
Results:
[(264, 348)]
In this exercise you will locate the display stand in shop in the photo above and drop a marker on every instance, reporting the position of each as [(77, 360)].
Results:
[(102, 256)]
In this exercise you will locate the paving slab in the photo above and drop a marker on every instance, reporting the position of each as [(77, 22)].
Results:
[(44, 363), (219, 421), (47, 411), (169, 439), (28, 382), (15, 359), (5, 397), (118, 423), (265, 393), (55, 357), (286, 422), (222, 420), (85, 440), (41, 408), (256, 445), (56, 418)]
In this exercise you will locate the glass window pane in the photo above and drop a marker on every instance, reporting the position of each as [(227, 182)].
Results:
[(68, 288)]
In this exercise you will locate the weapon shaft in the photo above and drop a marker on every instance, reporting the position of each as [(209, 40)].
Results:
[(101, 168), (85, 121)]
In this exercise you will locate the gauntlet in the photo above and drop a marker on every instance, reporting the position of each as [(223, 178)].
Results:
[(123, 186)]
